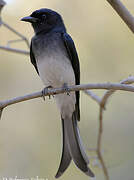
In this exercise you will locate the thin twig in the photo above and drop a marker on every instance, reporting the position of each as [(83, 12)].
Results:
[(93, 96), (13, 41), (123, 13), (2, 3), (99, 143), (16, 32), (129, 80), (23, 38), (14, 50)]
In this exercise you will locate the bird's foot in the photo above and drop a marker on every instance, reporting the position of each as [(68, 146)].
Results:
[(65, 86), (45, 91)]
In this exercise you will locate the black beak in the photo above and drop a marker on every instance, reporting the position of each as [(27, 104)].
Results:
[(30, 19)]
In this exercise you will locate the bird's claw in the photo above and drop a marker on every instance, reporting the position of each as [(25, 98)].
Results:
[(66, 89), (45, 91)]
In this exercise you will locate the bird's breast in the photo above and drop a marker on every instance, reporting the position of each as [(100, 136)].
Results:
[(55, 69)]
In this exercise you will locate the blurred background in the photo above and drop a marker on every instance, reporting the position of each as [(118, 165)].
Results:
[(30, 132)]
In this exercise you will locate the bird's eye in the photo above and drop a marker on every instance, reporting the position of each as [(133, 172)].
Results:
[(44, 16)]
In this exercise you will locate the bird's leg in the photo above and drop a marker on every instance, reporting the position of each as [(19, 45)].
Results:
[(45, 91), (65, 86)]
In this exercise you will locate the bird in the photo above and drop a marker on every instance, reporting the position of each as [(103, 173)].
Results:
[(54, 56)]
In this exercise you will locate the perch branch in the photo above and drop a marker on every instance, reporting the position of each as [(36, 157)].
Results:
[(114, 86)]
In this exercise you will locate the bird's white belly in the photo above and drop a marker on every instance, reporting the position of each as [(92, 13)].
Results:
[(55, 72)]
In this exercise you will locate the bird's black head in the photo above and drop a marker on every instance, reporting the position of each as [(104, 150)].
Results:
[(45, 20)]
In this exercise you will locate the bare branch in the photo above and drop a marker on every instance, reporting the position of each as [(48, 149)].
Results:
[(13, 41), (108, 93), (104, 100), (16, 32), (15, 100), (14, 50), (23, 38), (93, 96), (129, 80), (123, 13), (99, 142), (114, 86)]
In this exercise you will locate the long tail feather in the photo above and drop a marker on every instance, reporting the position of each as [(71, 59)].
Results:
[(73, 148), (66, 157), (75, 145)]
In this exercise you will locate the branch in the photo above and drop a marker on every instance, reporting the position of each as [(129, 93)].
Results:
[(108, 93), (114, 86), (14, 50), (123, 13), (16, 32), (93, 96), (99, 143), (2, 4), (23, 38), (104, 100)]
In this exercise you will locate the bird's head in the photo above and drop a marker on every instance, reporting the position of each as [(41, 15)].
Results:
[(45, 20)]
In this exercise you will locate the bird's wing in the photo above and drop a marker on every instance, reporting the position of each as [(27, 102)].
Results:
[(32, 57), (73, 56)]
